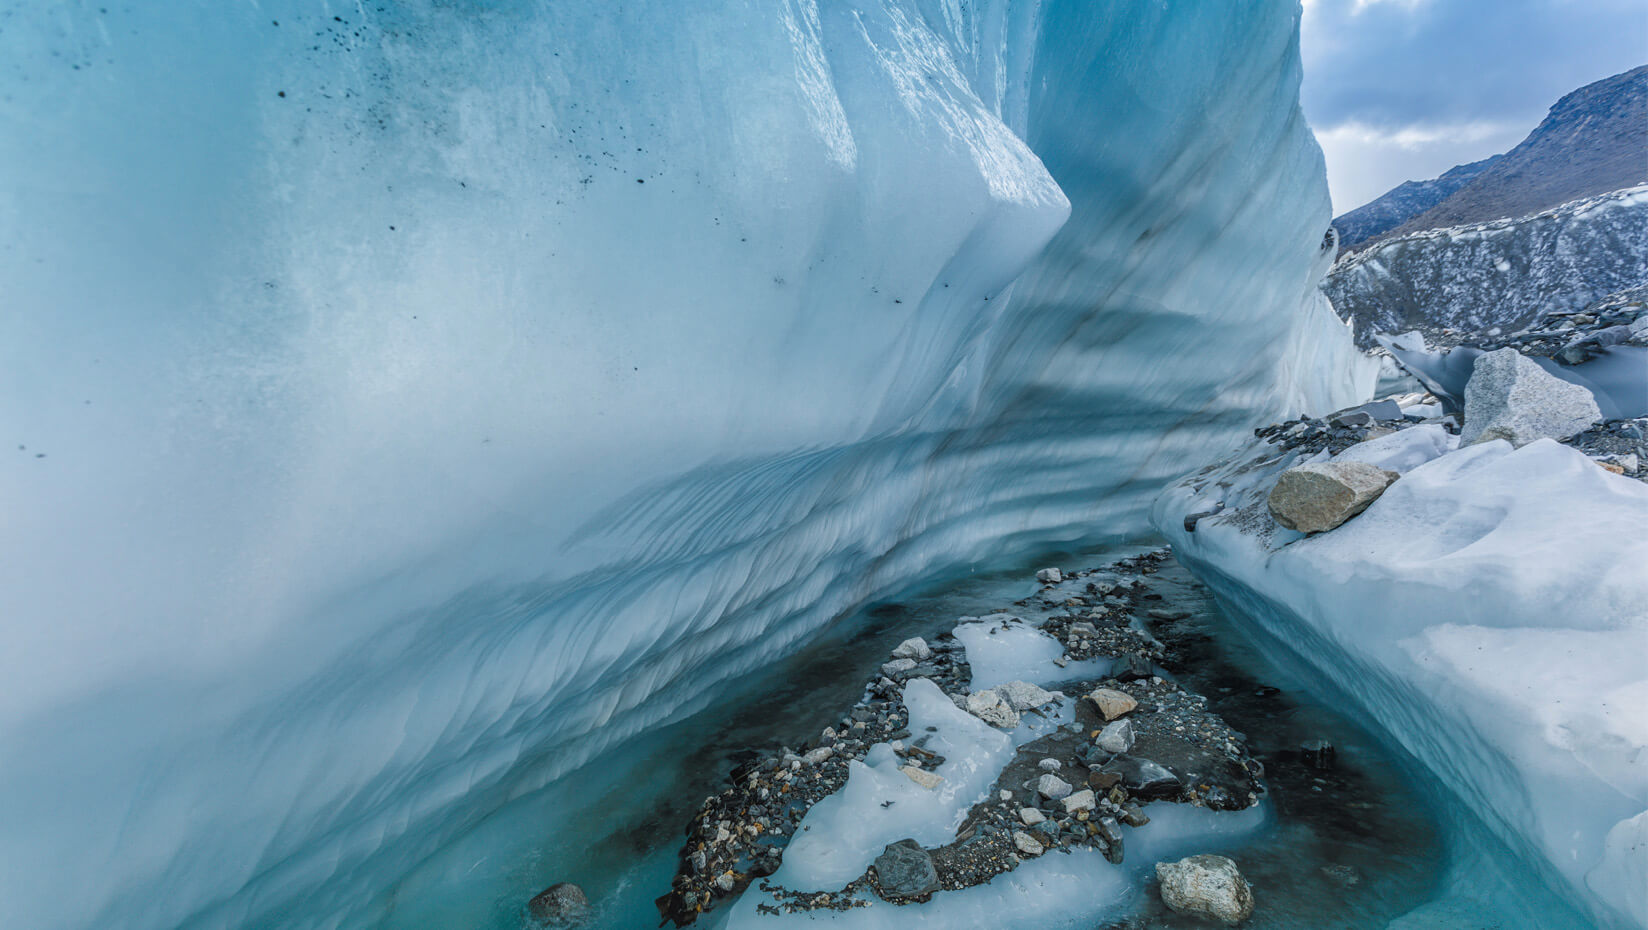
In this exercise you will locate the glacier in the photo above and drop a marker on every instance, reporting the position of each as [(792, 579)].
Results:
[(1502, 274), (414, 403), (1486, 616)]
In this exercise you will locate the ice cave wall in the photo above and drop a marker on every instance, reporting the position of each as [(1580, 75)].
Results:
[(412, 401)]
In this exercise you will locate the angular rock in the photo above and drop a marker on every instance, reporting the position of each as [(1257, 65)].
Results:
[(1206, 886), (1049, 576), (905, 871), (1144, 779), (898, 667), (1050, 765), (560, 905), (1082, 800), (1509, 397), (1321, 495), (913, 648), (1052, 787), (1112, 703), (1027, 844), (1022, 695), (818, 755), (1031, 816), (922, 777), (990, 708), (1116, 736)]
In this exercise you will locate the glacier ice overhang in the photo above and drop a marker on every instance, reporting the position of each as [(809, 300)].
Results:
[(412, 402)]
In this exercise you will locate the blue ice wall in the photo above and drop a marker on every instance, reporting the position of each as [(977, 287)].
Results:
[(407, 402)]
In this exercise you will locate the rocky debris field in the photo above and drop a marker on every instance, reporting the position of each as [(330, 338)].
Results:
[(1571, 337), (1137, 738)]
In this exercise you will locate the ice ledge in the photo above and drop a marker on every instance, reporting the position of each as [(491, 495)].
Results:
[(1488, 614)]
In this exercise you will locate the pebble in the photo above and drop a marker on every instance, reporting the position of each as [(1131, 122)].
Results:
[(1052, 787), (1027, 844), (1112, 703)]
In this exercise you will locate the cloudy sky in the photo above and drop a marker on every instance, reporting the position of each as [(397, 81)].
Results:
[(1406, 89)]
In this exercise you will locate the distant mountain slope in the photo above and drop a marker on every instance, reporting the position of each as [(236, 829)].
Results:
[(1593, 141), (1498, 276), (1404, 202)]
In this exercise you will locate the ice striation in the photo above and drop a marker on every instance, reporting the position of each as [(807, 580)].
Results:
[(413, 402)]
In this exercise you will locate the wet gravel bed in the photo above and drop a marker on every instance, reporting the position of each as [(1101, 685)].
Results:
[(1138, 737)]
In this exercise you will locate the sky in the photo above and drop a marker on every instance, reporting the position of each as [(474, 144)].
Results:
[(1401, 90)]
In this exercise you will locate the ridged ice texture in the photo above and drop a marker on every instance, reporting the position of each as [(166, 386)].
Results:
[(434, 395), (1499, 274)]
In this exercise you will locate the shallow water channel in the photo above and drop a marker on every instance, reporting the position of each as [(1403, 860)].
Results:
[(1350, 846)]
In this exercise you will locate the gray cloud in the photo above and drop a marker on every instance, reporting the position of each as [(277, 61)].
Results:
[(1400, 89)]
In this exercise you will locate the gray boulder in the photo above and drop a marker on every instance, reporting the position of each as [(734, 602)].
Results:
[(904, 871), (1320, 496), (1510, 397), (560, 905), (1206, 886)]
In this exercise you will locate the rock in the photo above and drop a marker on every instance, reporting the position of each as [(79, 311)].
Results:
[(818, 755), (1320, 496), (1116, 736), (1102, 781), (1112, 703), (1509, 397), (922, 777), (1111, 833), (898, 667), (990, 708), (1049, 576), (560, 905), (1050, 765), (914, 648), (1144, 779), (1611, 467), (1031, 816), (1022, 695), (1027, 844), (1052, 787), (1206, 886), (1131, 667), (1319, 754), (1159, 613), (1082, 800), (904, 871)]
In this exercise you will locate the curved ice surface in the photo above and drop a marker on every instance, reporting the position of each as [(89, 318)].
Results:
[(413, 400), (1488, 614)]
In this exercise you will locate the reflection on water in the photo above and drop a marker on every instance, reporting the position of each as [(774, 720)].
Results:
[(1349, 846)]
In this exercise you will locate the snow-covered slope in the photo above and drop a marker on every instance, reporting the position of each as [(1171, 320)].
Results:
[(1499, 274), (1489, 615), (412, 401)]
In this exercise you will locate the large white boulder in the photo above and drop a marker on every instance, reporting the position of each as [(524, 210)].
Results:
[(1206, 886), (1510, 397)]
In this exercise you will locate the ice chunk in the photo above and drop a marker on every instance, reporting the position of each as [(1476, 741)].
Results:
[(1487, 614), (843, 833)]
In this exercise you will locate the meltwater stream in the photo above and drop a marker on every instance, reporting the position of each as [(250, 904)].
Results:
[(1353, 846)]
